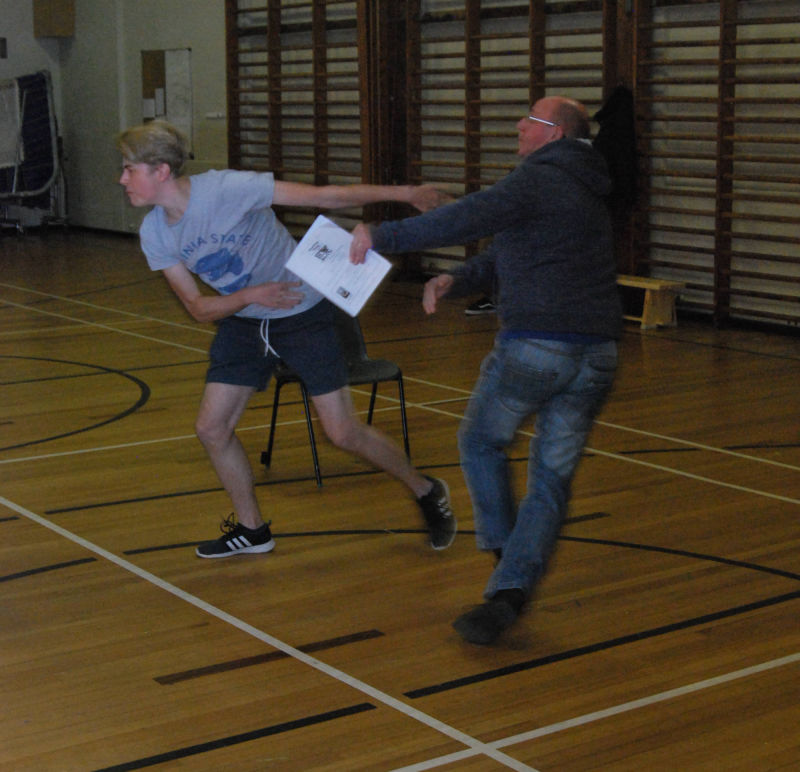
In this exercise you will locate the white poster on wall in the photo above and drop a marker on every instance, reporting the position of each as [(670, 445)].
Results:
[(177, 94)]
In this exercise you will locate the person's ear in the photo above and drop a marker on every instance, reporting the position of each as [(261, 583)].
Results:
[(163, 172)]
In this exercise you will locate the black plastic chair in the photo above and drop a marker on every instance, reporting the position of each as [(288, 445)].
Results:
[(361, 370)]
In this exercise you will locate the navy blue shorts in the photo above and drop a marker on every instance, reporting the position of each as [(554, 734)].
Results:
[(306, 342)]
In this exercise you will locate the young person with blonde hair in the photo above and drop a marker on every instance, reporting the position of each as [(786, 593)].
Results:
[(219, 227)]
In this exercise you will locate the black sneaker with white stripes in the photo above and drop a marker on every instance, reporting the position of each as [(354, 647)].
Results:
[(237, 540), (435, 506)]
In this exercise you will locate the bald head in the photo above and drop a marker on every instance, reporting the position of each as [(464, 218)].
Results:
[(569, 114), (550, 119)]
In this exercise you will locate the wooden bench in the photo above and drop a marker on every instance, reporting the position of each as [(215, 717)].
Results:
[(658, 308)]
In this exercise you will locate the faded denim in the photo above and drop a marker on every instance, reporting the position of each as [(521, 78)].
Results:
[(565, 384)]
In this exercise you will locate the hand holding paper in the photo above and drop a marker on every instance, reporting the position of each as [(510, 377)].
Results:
[(323, 259), (361, 243)]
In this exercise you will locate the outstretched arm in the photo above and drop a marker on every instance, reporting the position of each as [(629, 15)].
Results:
[(208, 308), (435, 289), (421, 197)]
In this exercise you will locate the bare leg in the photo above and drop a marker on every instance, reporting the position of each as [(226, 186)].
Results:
[(220, 410), (335, 411)]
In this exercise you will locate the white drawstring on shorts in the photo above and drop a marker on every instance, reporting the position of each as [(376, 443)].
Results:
[(264, 331)]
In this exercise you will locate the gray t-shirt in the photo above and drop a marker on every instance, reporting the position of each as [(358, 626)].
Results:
[(229, 237)]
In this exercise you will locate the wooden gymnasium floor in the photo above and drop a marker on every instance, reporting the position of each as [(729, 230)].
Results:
[(665, 637)]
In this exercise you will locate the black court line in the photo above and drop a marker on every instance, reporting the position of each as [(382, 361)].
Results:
[(74, 376), (237, 739), (51, 378), (179, 494), (168, 365), (261, 484), (593, 648), (685, 554), (260, 659), (292, 535), (345, 532), (112, 288), (395, 293), (429, 336), (45, 569), (144, 395), (219, 489), (663, 335), (137, 500)]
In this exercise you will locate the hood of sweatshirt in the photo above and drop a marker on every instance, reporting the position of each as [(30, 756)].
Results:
[(577, 158)]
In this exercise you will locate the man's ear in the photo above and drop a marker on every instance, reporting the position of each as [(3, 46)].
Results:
[(163, 172)]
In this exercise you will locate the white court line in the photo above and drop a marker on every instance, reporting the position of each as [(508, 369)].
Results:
[(616, 710), (661, 467), (476, 746), (645, 433), (109, 327), (194, 327), (424, 406), (429, 408), (669, 469), (176, 438), (648, 464)]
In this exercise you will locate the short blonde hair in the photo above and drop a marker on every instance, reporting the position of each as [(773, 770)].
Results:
[(155, 143)]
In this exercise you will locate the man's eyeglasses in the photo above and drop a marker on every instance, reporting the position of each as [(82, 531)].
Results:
[(541, 120)]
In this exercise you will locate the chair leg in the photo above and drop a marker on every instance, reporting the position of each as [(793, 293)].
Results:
[(402, 410), (402, 395), (372, 401), (266, 456), (311, 439)]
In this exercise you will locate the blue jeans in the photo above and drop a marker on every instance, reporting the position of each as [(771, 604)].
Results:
[(565, 385)]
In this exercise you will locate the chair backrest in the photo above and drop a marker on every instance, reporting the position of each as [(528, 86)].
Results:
[(352, 339)]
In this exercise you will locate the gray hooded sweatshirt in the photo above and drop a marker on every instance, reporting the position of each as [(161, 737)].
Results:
[(550, 265)]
